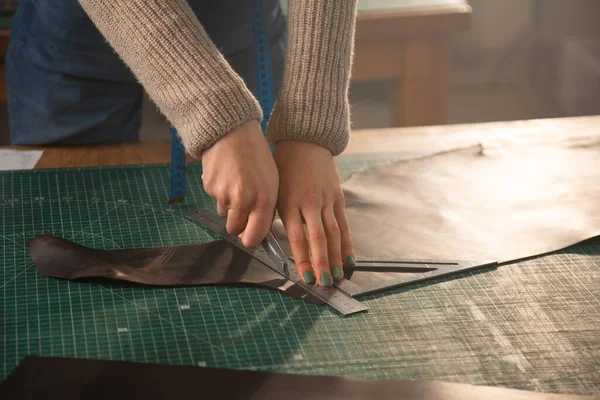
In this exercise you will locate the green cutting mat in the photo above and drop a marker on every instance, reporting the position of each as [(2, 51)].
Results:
[(533, 325)]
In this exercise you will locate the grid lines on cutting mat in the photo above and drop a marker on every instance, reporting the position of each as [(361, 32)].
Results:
[(531, 325)]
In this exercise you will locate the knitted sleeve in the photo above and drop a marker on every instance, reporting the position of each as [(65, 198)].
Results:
[(170, 53), (313, 102)]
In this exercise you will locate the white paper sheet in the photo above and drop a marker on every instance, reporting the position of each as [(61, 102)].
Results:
[(19, 159)]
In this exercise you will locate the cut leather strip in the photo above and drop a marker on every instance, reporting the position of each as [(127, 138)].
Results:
[(214, 263)]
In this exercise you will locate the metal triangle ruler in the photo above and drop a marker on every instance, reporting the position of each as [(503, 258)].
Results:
[(335, 297), (389, 274)]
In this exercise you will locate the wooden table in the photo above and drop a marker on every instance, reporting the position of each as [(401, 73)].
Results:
[(415, 140), (407, 42)]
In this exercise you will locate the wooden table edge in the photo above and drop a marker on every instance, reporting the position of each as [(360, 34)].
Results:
[(362, 141), (386, 14), (376, 24)]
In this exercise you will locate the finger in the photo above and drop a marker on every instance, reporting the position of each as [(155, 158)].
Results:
[(294, 228), (222, 209), (317, 240), (347, 249), (334, 251), (259, 225), (237, 219)]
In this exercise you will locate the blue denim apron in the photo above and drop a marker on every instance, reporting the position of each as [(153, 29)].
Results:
[(67, 86)]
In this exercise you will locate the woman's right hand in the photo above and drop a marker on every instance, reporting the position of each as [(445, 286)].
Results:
[(240, 173)]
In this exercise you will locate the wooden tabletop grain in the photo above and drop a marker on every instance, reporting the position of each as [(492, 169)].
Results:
[(421, 139)]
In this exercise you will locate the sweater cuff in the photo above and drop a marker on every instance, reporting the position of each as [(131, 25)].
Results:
[(323, 122), (206, 119), (313, 103)]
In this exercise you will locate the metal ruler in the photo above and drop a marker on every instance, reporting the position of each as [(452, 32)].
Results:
[(422, 270), (265, 92), (334, 296)]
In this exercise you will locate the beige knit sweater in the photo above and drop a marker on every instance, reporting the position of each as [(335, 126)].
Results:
[(170, 53)]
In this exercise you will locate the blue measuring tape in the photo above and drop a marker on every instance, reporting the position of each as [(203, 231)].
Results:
[(262, 55), (178, 178), (265, 91)]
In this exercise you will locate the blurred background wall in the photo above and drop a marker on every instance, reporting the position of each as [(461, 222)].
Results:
[(520, 59)]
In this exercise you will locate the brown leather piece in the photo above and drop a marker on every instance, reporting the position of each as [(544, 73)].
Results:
[(500, 204), (68, 378), (492, 204), (214, 263)]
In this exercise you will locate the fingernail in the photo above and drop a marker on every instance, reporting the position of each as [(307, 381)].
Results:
[(309, 277), (350, 260), (326, 279), (336, 272)]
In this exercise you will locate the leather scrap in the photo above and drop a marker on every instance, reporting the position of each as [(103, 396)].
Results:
[(70, 378)]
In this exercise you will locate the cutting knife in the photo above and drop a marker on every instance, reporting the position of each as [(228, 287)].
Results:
[(269, 252), (271, 245)]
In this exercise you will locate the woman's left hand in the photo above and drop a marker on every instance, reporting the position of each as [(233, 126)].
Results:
[(310, 191)]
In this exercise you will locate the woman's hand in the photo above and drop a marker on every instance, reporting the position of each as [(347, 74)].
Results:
[(310, 191), (240, 173)]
